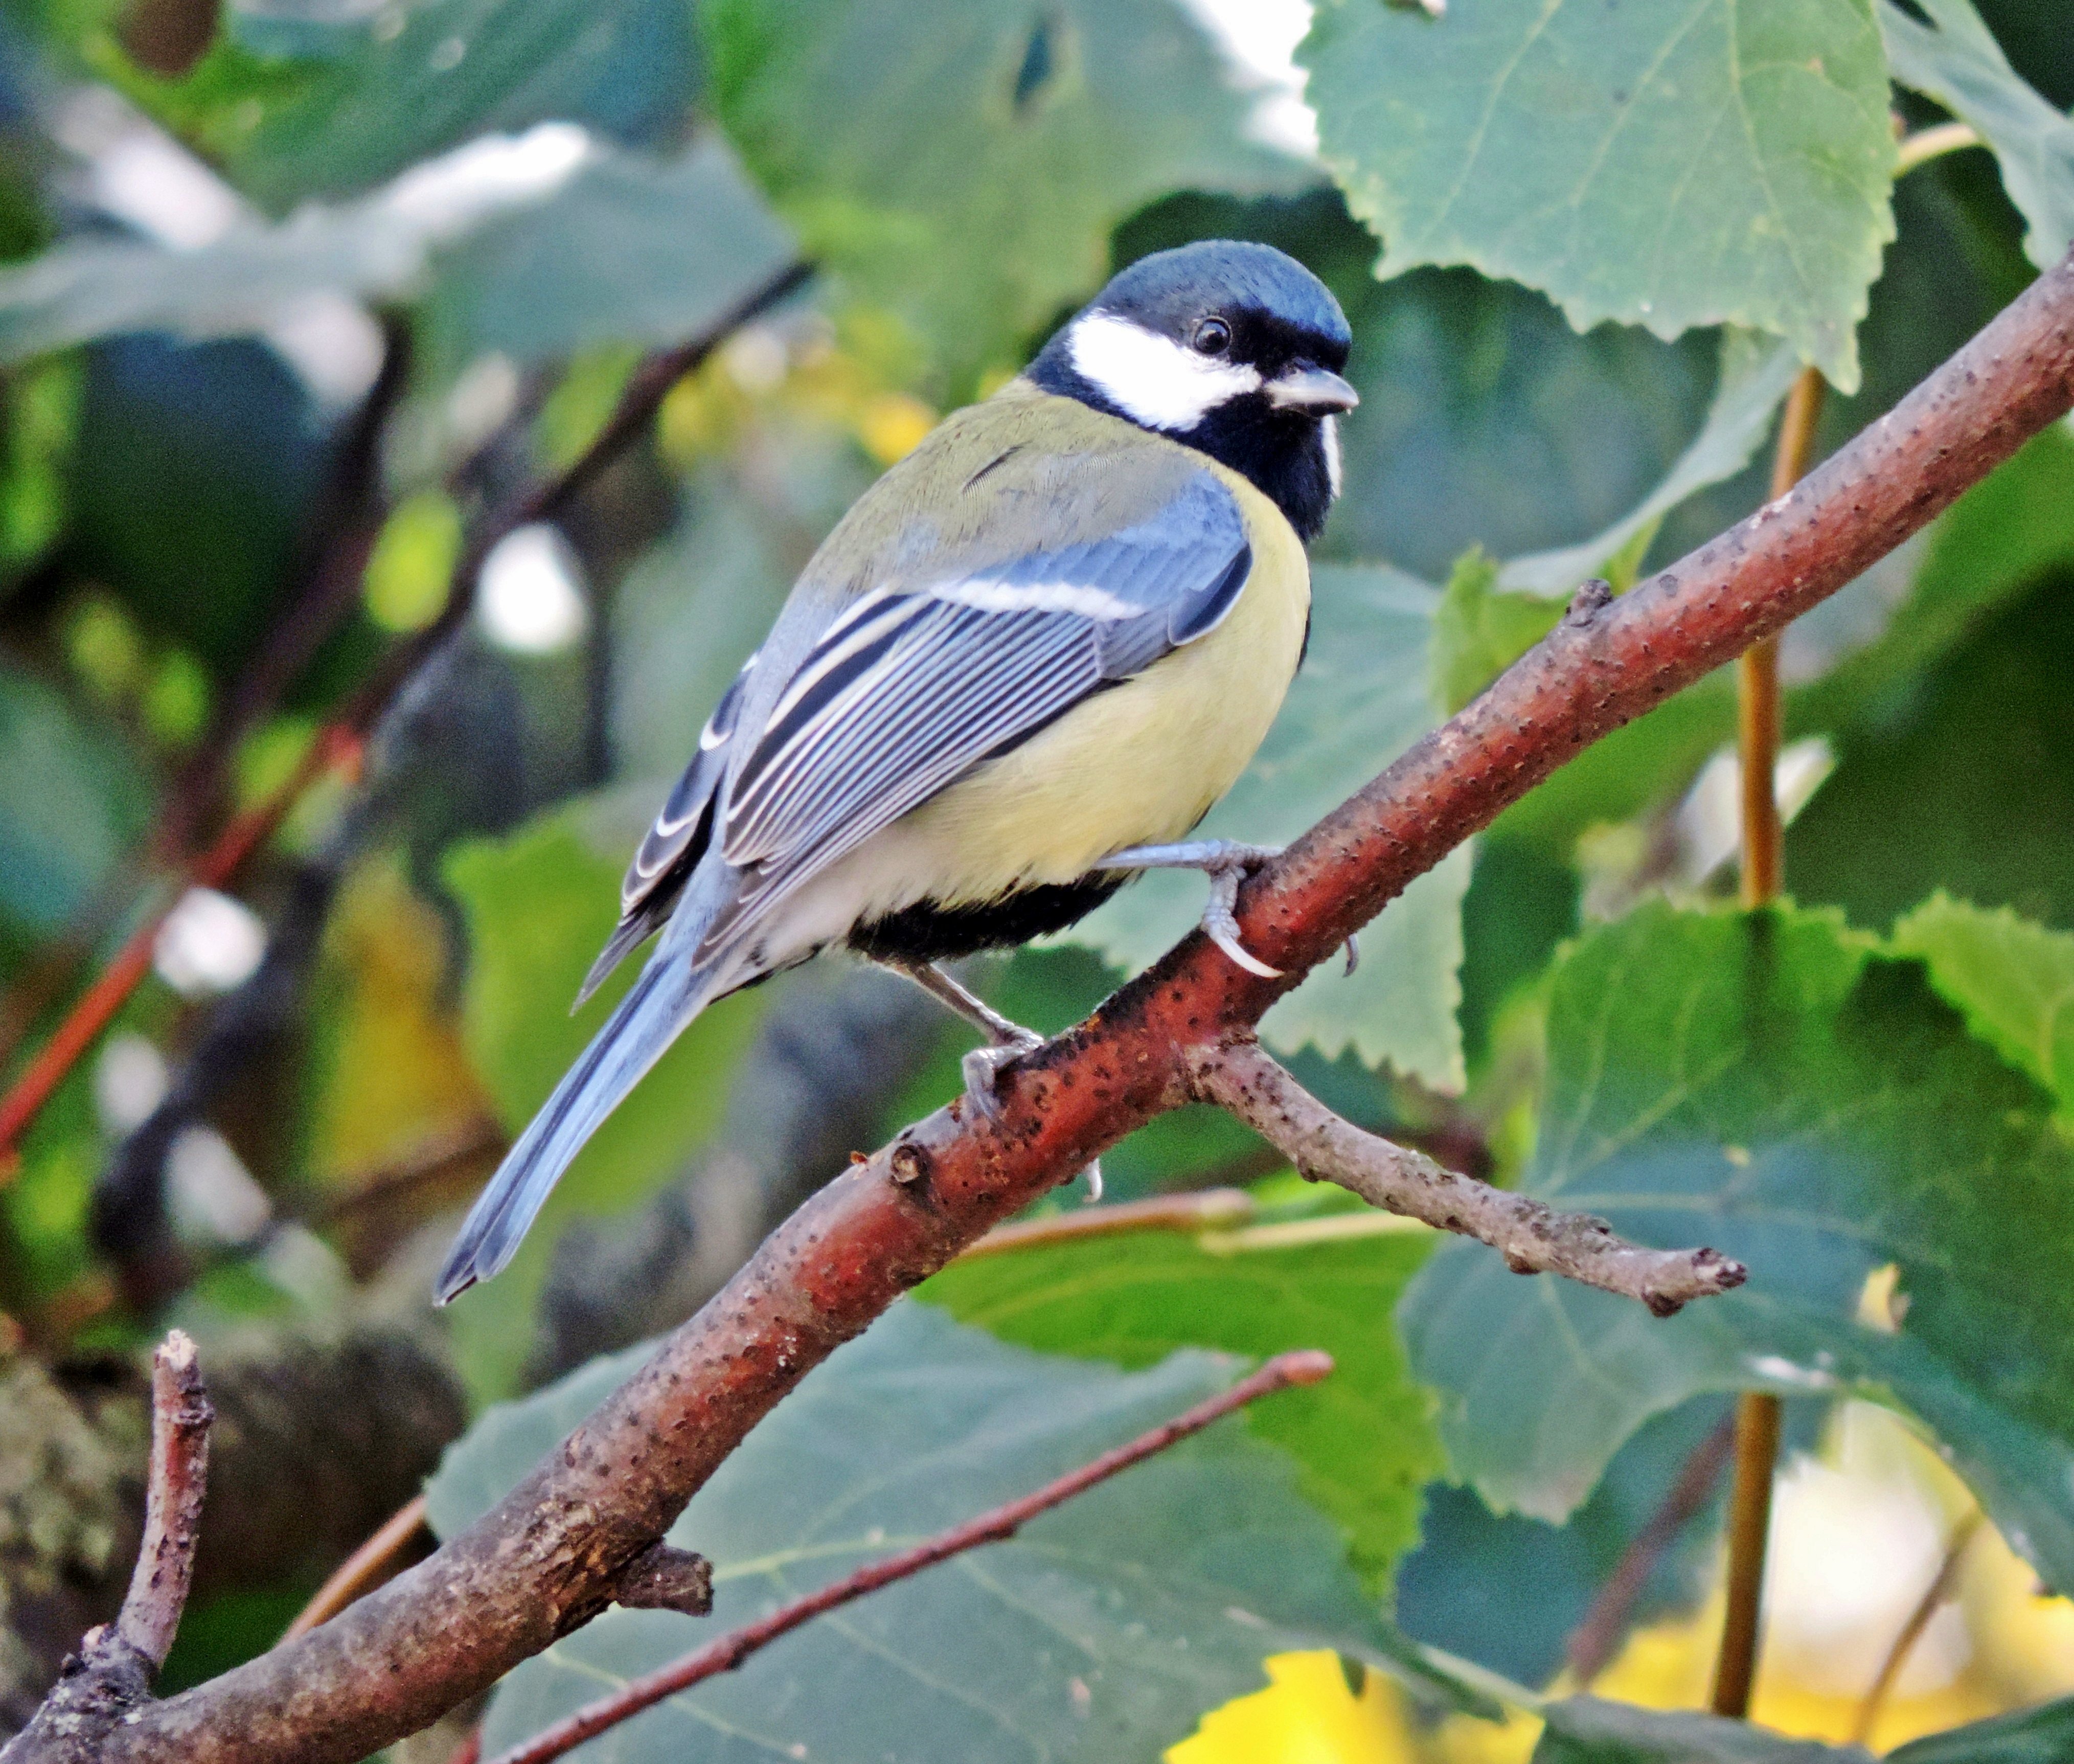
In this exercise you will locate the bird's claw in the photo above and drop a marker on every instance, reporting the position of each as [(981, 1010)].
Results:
[(1353, 957), (983, 1067), (1227, 863)]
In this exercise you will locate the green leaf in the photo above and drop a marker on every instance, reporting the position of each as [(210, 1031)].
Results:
[(1755, 374), (1955, 60), (626, 249), (1660, 163), (2044, 1735), (1771, 1085), (379, 89), (1479, 631), (2011, 978), (1363, 1437), (1102, 1631), (631, 251), (962, 162), (538, 904), (72, 801), (1358, 702), (1591, 1730)]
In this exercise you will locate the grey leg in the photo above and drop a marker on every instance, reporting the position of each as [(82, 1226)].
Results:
[(1227, 863), (983, 1066)]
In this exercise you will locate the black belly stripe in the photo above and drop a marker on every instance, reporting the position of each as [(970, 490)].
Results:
[(930, 931)]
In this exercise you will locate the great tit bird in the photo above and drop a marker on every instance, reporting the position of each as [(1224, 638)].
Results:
[(1034, 653)]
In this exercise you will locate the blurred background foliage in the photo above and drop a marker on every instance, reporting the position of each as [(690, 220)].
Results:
[(295, 294)]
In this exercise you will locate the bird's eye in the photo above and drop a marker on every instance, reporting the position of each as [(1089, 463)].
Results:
[(1213, 337)]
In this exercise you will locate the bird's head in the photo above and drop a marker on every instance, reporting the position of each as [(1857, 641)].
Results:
[(1234, 349)]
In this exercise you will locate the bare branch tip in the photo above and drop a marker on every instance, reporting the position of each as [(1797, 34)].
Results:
[(1306, 1366), (665, 1578)]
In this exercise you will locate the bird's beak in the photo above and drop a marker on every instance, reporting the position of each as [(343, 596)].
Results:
[(1310, 390)]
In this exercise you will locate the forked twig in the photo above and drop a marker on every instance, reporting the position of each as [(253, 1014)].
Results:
[(1240, 1075)]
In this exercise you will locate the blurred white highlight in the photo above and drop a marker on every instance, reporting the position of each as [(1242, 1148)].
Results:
[(210, 1193), (208, 944), (530, 600), (129, 1080), (1259, 39)]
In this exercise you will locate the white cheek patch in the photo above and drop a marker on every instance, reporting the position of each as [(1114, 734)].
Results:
[(1330, 425), (1152, 379)]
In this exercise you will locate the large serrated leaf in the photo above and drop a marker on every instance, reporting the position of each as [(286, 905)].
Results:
[(1360, 700), (1667, 164), (1363, 1437), (1774, 1086), (1102, 1631), (962, 162)]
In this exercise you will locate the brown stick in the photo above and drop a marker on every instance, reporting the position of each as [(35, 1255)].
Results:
[(1592, 1644), (1758, 719), (1533, 1238), (544, 1560), (728, 1652), (1934, 1594), (181, 1417), (372, 1561)]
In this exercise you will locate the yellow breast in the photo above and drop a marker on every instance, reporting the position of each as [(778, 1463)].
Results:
[(1139, 764)]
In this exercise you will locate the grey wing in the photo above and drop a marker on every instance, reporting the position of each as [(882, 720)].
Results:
[(673, 845), (909, 689)]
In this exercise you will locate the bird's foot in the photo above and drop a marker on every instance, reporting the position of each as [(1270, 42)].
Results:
[(982, 1069), (1227, 863)]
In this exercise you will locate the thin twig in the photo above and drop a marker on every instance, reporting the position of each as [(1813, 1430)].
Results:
[(1207, 1210), (725, 1654), (1934, 1594), (1758, 720), (372, 1563), (1598, 1633), (424, 1163), (1239, 1075), (1931, 143), (181, 1417), (349, 730), (544, 1559)]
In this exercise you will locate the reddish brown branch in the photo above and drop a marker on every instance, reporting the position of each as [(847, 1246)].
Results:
[(726, 1653), (545, 1559), (1534, 1238), (349, 730)]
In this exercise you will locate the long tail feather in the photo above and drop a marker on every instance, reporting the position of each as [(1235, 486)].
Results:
[(663, 1002)]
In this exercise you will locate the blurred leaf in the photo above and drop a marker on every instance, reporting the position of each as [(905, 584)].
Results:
[(411, 565), (1100, 1631), (1486, 420), (1480, 630), (1772, 1086), (71, 802), (377, 89), (2011, 979), (1967, 784), (1659, 165), (1590, 1730), (1362, 1437), (1955, 60), (1755, 375), (631, 250), (559, 255), (2040, 1736), (538, 905), (38, 419), (1359, 701), (962, 164)]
